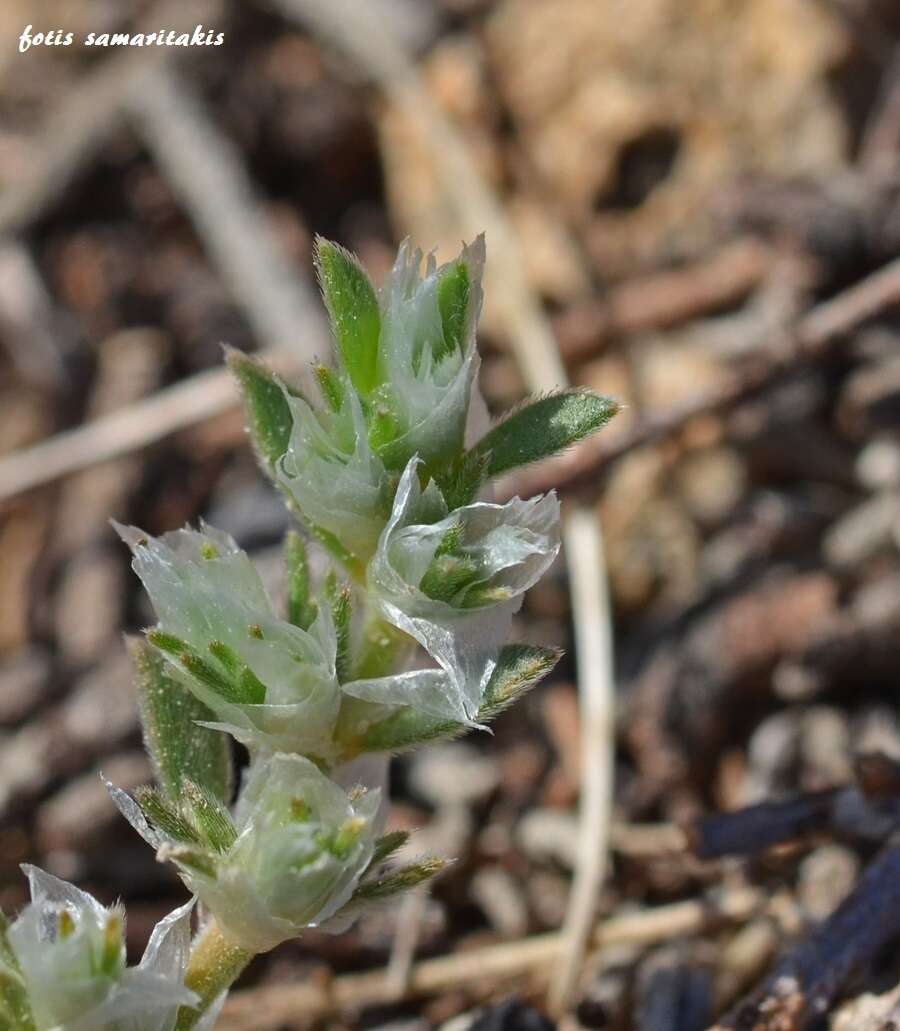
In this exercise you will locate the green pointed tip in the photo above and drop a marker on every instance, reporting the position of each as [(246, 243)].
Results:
[(453, 304), (355, 317), (269, 419), (162, 815), (543, 428), (519, 668), (387, 845), (301, 608), (168, 643), (209, 817), (403, 879), (330, 386)]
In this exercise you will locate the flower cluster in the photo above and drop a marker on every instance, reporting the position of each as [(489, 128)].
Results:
[(66, 953), (403, 640), (290, 857)]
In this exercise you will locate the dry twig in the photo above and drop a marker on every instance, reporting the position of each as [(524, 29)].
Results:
[(593, 639), (805, 982)]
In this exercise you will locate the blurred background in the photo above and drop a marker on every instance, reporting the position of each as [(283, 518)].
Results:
[(689, 204)]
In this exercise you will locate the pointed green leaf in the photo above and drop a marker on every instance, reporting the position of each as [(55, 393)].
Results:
[(543, 428), (301, 609), (519, 668), (403, 879), (163, 816), (353, 306), (453, 303), (339, 600), (331, 387), (386, 846), (269, 419), (461, 480), (178, 747), (209, 817), (406, 728), (15, 1009)]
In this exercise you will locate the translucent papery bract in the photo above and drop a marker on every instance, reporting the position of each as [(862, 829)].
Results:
[(332, 475), (71, 953), (302, 845), (426, 383), (206, 592), (511, 545)]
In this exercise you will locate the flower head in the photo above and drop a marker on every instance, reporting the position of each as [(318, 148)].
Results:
[(453, 582), (70, 953), (269, 683), (290, 859)]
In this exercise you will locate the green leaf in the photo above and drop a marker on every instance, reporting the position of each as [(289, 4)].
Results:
[(163, 816), (519, 668), (301, 608), (15, 1009), (453, 303), (461, 479), (269, 418), (333, 546), (209, 817), (341, 612), (331, 387), (355, 317), (386, 846), (406, 728), (404, 878), (178, 747), (249, 687), (543, 428)]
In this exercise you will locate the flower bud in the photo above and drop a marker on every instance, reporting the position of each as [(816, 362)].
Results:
[(302, 843), (70, 952), (332, 475), (269, 683), (427, 357), (453, 582)]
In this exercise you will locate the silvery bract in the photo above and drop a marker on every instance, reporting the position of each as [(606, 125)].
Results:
[(71, 955), (497, 553), (333, 476), (301, 845), (426, 378), (269, 683)]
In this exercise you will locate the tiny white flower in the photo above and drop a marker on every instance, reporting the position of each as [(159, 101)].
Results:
[(70, 952), (457, 604), (269, 683)]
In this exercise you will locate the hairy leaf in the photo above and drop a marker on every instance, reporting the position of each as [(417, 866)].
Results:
[(353, 306), (178, 747), (269, 418), (543, 428), (453, 303), (301, 607)]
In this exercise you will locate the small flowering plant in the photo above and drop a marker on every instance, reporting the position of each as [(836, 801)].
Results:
[(405, 639)]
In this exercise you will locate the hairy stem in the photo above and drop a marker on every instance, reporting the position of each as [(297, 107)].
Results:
[(214, 965)]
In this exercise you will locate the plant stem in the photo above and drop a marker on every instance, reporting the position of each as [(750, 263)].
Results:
[(214, 965)]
